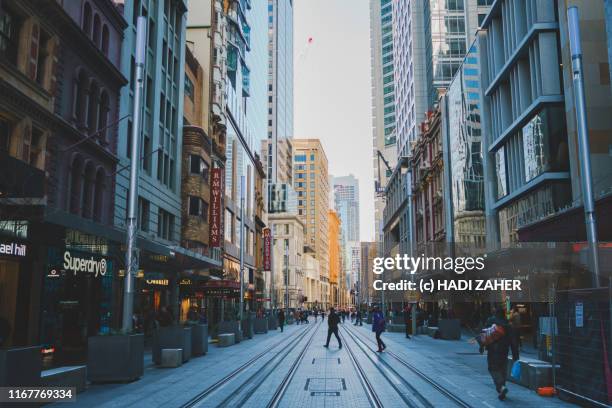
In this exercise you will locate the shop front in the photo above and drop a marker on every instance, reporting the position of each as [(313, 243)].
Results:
[(221, 299), (79, 283), (15, 281)]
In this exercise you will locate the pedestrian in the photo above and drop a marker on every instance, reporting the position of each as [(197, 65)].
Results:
[(378, 326), (407, 320), (316, 313), (332, 327), (515, 323), (358, 318), (343, 313), (322, 315), (497, 352), (281, 319)]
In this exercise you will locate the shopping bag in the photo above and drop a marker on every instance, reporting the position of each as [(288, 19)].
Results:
[(516, 370)]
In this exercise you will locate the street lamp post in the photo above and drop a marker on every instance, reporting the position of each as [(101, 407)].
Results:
[(242, 184), (411, 239), (583, 141), (131, 254), (287, 278)]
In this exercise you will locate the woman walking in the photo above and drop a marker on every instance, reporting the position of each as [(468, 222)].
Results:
[(378, 326)]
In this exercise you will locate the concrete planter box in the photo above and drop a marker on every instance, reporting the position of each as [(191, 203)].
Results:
[(396, 328), (199, 339), (20, 366), (65, 377), (450, 329), (115, 358), (272, 323), (172, 337), (260, 325), (229, 327)]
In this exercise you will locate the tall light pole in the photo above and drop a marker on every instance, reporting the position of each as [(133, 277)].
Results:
[(287, 278), (411, 239), (131, 254), (583, 141), (242, 183)]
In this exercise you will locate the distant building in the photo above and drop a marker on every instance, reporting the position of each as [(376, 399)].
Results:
[(288, 233), (310, 179), (335, 253), (366, 275)]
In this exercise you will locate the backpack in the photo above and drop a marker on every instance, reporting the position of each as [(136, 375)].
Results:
[(490, 335)]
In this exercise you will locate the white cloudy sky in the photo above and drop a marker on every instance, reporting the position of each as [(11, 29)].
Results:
[(333, 90)]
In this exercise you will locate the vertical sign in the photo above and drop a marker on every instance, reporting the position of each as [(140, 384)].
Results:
[(579, 314), (267, 245), (216, 207)]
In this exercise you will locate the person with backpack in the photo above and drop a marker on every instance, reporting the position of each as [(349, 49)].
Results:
[(332, 327), (378, 326), (497, 339)]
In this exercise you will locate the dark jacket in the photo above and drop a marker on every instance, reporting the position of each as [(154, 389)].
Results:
[(497, 352), (378, 322), (333, 320), (281, 317)]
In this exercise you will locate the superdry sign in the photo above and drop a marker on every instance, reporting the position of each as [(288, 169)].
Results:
[(217, 184), (267, 247)]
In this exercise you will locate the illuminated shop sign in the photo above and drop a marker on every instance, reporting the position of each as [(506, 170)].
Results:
[(158, 282), (13, 249), (15, 228), (88, 265)]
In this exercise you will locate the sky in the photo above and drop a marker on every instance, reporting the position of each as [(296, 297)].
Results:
[(332, 90)]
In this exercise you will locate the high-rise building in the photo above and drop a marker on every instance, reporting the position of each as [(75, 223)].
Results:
[(453, 26), (384, 153), (367, 276), (346, 204), (280, 84), (288, 233), (310, 179), (335, 253)]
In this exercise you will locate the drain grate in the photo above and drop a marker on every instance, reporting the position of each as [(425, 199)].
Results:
[(318, 359), (325, 386)]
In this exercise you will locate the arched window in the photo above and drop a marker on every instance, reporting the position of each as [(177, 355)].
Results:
[(103, 115), (79, 106), (105, 39), (86, 24), (96, 30), (93, 104), (88, 191), (75, 184), (98, 202)]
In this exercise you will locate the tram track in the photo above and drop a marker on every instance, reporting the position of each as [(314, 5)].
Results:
[(198, 399), (409, 395), (427, 379)]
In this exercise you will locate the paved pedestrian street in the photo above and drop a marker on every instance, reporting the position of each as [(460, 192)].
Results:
[(293, 369)]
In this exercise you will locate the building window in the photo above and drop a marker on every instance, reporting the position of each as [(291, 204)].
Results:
[(86, 24), (144, 213), (75, 183), (98, 203), (197, 207), (198, 166), (165, 225), (95, 35), (105, 39), (189, 88)]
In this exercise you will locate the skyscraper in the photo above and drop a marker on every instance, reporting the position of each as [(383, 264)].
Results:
[(384, 152), (310, 179), (346, 204), (280, 82)]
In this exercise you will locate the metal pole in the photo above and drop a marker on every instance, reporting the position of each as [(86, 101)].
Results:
[(242, 184), (287, 278), (411, 241), (131, 254), (583, 141)]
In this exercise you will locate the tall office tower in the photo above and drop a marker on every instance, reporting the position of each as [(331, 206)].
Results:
[(281, 195), (453, 27), (335, 254), (310, 179), (412, 69), (384, 152), (346, 204), (280, 83), (159, 198), (430, 40)]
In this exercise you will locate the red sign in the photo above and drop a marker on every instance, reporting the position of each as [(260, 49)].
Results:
[(267, 247), (217, 189)]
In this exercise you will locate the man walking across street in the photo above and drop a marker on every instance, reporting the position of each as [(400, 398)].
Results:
[(378, 326), (497, 352), (281, 319), (332, 327), (358, 321)]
